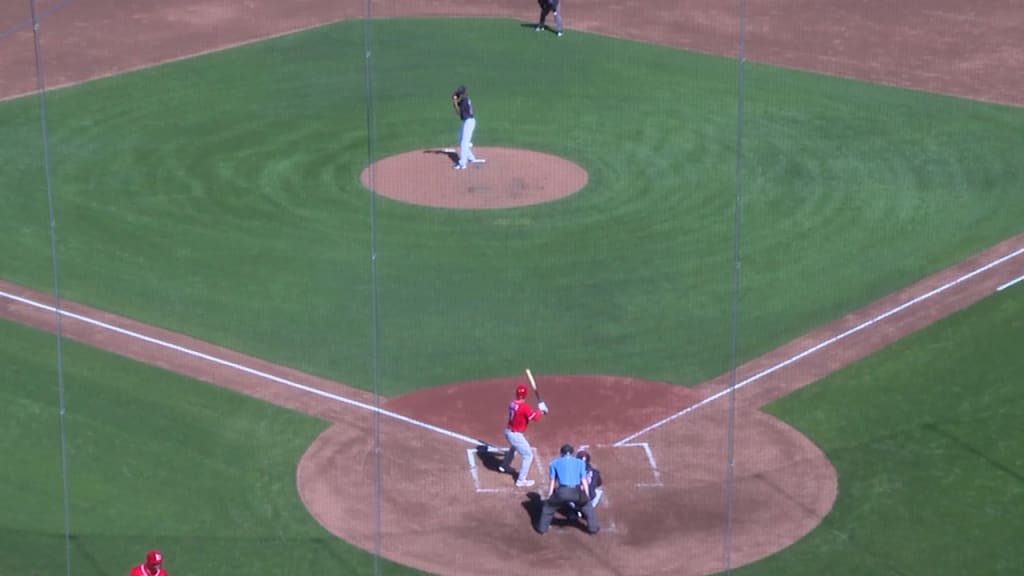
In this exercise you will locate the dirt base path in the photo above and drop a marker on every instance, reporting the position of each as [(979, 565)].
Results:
[(664, 511)]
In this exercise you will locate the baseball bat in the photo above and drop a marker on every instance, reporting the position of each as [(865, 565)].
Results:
[(533, 383)]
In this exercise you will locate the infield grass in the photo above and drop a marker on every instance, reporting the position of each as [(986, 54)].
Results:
[(219, 197)]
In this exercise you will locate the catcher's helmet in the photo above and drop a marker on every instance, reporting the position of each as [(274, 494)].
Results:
[(585, 456), (154, 558), (521, 391)]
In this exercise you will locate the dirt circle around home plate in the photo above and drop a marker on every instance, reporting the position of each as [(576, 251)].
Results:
[(665, 489), (509, 178)]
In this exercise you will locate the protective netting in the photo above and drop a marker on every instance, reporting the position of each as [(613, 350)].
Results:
[(273, 271)]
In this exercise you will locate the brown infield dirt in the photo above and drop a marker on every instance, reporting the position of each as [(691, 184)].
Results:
[(442, 506), (509, 177)]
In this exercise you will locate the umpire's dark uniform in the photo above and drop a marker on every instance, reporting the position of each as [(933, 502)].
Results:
[(568, 472)]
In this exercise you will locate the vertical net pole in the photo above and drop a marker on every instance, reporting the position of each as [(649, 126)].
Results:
[(731, 434), (41, 90), (374, 335)]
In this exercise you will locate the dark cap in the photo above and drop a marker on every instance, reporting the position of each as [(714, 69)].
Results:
[(567, 449), (460, 90)]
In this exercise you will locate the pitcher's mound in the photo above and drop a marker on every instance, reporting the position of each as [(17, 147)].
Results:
[(511, 177)]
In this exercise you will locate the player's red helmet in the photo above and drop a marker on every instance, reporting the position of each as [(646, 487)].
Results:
[(521, 391), (154, 558), (585, 456)]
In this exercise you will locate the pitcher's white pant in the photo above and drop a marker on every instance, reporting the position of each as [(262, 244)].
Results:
[(466, 142)]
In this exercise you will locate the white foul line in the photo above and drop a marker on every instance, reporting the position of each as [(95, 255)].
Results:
[(824, 344), (1010, 283), (244, 369)]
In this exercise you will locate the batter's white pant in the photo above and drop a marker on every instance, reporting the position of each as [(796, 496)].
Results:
[(517, 443)]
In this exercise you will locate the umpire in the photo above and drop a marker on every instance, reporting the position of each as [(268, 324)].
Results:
[(568, 484)]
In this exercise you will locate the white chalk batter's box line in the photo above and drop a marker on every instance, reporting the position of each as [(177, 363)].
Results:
[(474, 470)]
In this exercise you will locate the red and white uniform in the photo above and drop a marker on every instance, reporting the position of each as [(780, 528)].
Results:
[(141, 570), (520, 415), (153, 566)]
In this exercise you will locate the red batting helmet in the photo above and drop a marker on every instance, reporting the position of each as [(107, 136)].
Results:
[(521, 391), (154, 558)]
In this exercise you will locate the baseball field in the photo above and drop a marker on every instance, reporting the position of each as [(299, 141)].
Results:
[(765, 261)]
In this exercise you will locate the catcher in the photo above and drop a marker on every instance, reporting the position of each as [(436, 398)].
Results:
[(594, 486)]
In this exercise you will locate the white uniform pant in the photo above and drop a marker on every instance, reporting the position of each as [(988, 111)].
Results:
[(517, 443), (466, 142)]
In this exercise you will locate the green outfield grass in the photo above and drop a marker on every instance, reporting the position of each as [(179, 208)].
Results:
[(154, 460), (219, 197), (925, 436)]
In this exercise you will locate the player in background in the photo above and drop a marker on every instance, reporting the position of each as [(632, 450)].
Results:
[(519, 417), (152, 567), (548, 7)]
